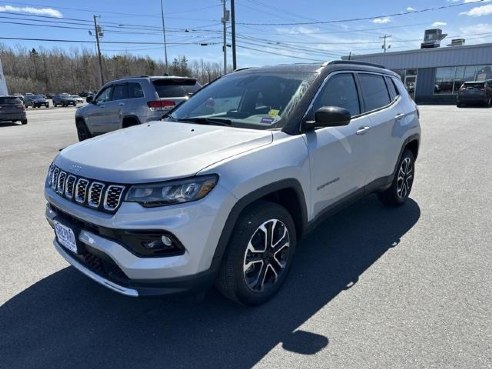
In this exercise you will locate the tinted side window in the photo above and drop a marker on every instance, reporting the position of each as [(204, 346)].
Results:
[(340, 90), (374, 91), (104, 95), (135, 90), (120, 92)]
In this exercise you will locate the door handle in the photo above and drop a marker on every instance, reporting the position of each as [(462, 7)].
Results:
[(362, 130), (399, 116), (121, 104)]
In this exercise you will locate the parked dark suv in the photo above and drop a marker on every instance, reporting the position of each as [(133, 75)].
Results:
[(475, 92), (131, 101), (12, 109)]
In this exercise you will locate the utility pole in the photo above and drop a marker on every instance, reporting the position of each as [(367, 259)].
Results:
[(233, 30), (385, 46), (98, 31), (164, 36), (225, 19)]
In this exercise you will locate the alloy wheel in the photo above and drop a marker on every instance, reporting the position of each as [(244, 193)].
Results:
[(405, 178), (266, 256)]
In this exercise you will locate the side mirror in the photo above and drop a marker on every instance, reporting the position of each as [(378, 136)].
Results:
[(89, 99), (329, 116)]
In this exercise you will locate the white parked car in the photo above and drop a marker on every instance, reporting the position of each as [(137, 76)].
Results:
[(223, 189)]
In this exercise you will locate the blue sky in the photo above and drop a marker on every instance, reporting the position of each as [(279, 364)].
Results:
[(268, 31)]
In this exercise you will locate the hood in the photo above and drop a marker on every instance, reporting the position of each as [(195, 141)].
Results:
[(157, 151)]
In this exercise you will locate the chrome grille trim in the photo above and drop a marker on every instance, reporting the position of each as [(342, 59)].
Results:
[(60, 186), (106, 197), (54, 178), (95, 194), (81, 190), (70, 186), (113, 197)]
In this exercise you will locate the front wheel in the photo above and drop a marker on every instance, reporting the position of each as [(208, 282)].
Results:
[(24, 121), (402, 183), (259, 254)]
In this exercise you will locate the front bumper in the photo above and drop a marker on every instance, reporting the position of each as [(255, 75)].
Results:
[(196, 226)]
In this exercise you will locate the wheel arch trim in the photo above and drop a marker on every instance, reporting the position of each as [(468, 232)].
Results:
[(252, 197)]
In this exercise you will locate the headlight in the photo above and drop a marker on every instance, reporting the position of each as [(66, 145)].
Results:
[(172, 192), (49, 176)]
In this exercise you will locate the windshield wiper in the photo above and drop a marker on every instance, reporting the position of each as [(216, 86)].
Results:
[(212, 121)]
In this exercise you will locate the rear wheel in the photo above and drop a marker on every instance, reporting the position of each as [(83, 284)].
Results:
[(129, 122), (24, 121), (259, 254), (83, 132), (401, 186)]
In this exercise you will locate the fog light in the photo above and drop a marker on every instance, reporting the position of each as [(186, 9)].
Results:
[(166, 241), (153, 244)]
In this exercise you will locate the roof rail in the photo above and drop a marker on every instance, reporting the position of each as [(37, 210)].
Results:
[(243, 68), (354, 62)]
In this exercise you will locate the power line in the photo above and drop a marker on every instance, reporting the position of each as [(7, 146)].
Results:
[(363, 18)]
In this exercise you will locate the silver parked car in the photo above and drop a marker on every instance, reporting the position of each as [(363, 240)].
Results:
[(222, 189), (131, 101)]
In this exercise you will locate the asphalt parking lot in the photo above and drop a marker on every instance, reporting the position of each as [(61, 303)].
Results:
[(371, 288)]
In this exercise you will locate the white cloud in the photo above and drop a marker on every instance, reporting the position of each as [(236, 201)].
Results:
[(476, 29), (298, 30), (475, 1), (478, 11), (439, 24), (30, 10), (410, 9), (382, 20)]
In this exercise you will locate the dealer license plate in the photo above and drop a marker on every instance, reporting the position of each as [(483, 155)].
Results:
[(66, 236)]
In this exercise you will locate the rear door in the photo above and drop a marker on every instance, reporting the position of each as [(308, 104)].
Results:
[(387, 111)]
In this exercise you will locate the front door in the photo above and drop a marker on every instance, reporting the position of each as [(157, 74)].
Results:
[(337, 154)]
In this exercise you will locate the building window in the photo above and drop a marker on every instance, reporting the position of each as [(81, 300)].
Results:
[(449, 79)]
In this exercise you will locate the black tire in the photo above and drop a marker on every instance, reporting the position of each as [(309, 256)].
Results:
[(129, 122), (402, 183), (249, 275), (83, 132), (24, 121)]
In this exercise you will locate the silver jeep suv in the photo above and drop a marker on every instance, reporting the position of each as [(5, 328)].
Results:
[(130, 101), (225, 187)]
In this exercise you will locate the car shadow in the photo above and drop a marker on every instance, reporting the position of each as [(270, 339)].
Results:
[(9, 124), (66, 320)]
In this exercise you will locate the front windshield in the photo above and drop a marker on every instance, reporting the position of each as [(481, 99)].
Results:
[(258, 100)]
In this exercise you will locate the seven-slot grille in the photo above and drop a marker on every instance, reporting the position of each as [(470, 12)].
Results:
[(87, 192)]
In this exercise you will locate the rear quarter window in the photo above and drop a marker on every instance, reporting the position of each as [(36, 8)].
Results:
[(393, 91)]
